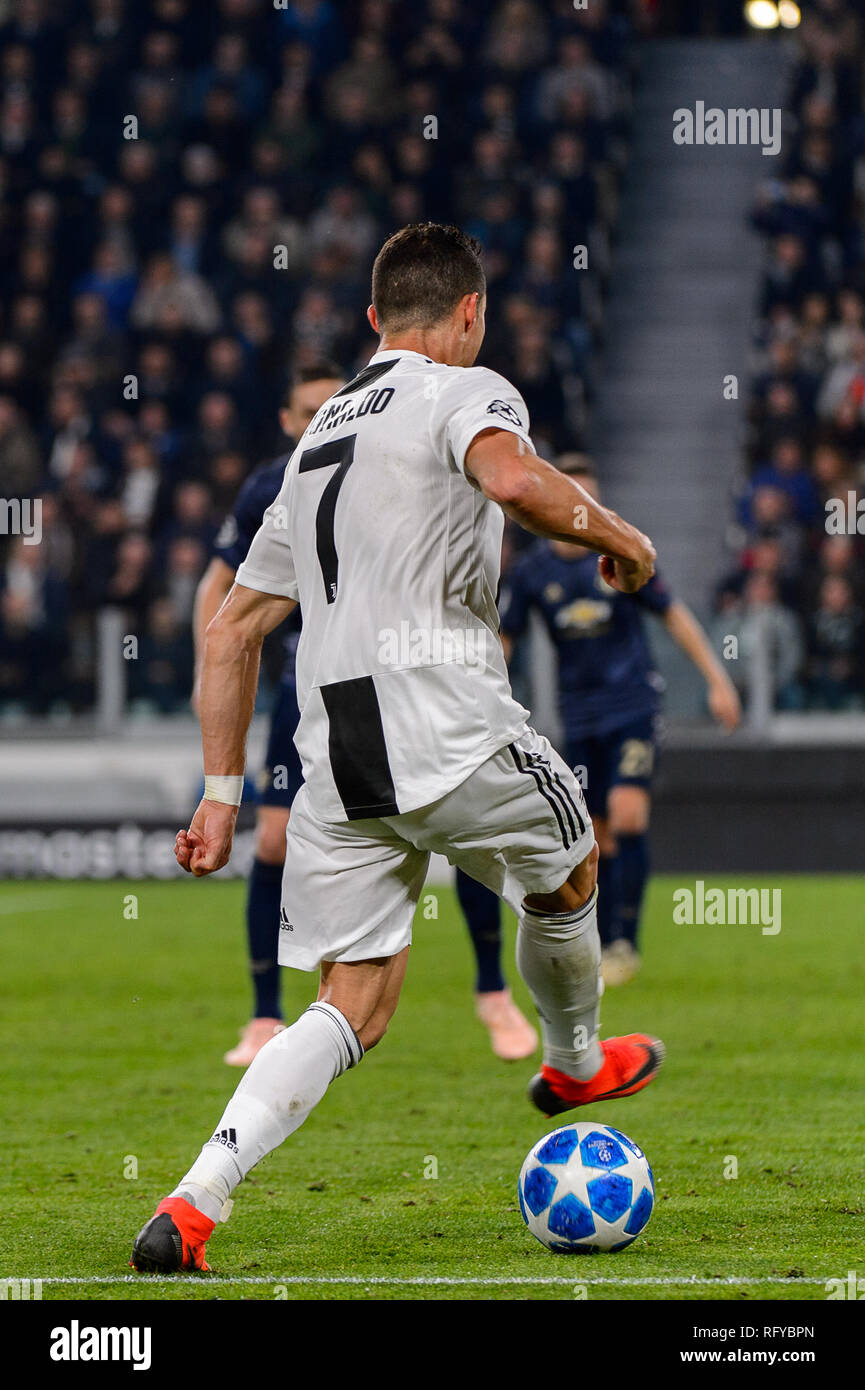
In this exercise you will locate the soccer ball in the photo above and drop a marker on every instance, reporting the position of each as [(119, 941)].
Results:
[(585, 1188)]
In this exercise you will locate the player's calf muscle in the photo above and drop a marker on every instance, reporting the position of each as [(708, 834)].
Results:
[(374, 1029), (365, 992)]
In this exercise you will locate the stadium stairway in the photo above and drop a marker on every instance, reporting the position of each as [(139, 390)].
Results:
[(683, 289)]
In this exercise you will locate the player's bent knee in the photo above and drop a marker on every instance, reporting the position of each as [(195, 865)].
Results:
[(584, 877), (270, 836), (632, 825), (629, 811), (574, 892), (269, 852)]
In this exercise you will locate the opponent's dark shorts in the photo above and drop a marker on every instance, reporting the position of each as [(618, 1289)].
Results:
[(624, 757), (281, 778)]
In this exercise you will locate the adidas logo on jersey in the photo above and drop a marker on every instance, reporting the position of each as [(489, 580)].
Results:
[(284, 924)]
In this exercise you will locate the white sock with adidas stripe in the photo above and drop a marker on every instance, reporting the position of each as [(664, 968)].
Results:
[(559, 957), (283, 1085)]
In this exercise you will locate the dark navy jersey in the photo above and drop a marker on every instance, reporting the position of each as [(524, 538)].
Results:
[(606, 672), (241, 524)]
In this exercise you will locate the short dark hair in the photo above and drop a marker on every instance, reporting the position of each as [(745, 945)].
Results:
[(422, 272), (323, 370)]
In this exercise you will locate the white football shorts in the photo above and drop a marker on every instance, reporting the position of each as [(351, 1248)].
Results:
[(518, 824)]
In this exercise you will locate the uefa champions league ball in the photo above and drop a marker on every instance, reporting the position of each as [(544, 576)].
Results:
[(585, 1188)]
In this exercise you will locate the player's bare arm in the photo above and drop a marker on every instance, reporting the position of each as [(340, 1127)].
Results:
[(721, 693), (229, 679), (548, 503), (213, 589)]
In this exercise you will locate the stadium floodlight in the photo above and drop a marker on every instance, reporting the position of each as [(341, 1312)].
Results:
[(789, 14), (762, 14)]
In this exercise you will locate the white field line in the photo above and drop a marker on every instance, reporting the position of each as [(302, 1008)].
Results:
[(423, 1281)]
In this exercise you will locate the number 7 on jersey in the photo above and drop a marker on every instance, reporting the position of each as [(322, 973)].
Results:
[(339, 454)]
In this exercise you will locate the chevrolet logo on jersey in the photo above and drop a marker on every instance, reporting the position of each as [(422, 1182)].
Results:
[(585, 616)]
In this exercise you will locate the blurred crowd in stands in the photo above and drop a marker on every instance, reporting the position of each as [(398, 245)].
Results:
[(191, 200), (189, 207), (798, 574)]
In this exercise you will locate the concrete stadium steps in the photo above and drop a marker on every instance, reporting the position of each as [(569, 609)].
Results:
[(683, 290)]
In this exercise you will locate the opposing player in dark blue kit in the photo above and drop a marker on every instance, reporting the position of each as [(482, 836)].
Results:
[(281, 777), (511, 1035), (609, 699)]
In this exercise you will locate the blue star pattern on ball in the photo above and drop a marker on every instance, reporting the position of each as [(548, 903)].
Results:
[(538, 1190), (600, 1150), (610, 1196), (570, 1219), (586, 1188), (559, 1146)]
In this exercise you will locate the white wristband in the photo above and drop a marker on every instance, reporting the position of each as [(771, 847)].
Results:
[(228, 790)]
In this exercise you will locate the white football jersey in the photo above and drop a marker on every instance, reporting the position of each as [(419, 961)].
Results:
[(394, 557)]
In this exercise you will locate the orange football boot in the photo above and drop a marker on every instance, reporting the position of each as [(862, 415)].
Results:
[(174, 1238), (629, 1064)]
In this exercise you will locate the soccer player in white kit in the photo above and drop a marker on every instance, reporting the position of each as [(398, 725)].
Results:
[(387, 530)]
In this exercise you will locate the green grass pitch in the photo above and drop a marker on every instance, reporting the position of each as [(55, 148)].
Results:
[(403, 1183)]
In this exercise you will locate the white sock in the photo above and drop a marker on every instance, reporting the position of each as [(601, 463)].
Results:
[(284, 1083), (559, 957)]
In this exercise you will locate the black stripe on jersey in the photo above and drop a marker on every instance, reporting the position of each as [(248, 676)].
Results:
[(357, 749), (545, 793), (366, 377)]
